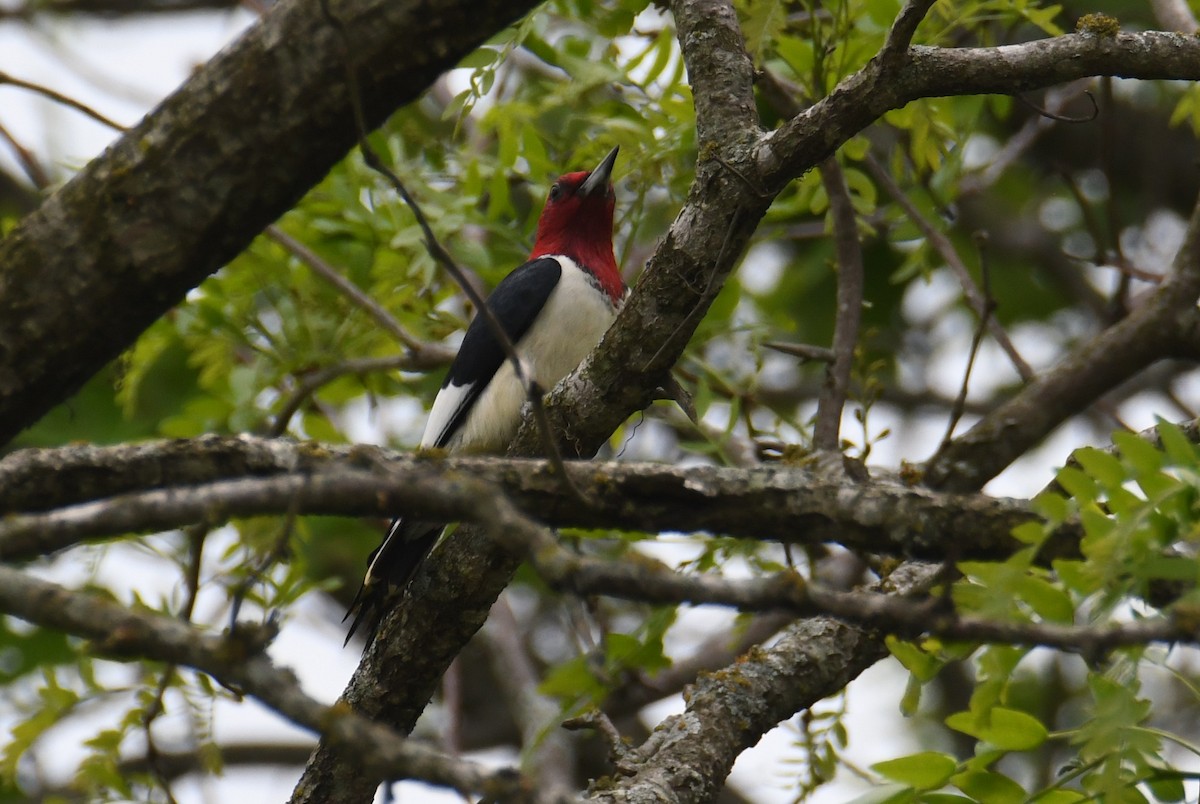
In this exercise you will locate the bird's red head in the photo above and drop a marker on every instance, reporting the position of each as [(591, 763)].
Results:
[(577, 222)]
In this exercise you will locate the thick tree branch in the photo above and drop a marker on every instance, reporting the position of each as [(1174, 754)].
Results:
[(928, 72), (719, 69), (239, 661), (236, 477), (187, 189), (687, 757)]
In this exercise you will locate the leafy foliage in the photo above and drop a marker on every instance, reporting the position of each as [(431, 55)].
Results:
[(1139, 509)]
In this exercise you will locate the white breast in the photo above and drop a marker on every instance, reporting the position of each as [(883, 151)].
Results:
[(575, 317)]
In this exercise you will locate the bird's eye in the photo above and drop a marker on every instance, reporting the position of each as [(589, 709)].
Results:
[(555, 191)]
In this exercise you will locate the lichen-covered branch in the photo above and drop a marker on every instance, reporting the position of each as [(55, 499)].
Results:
[(212, 479), (239, 661)]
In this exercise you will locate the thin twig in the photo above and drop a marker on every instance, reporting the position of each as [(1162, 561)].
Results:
[(1108, 146), (58, 97), (1019, 143), (960, 402), (804, 351), (196, 536), (1058, 117), (347, 288), (620, 754), (29, 162), (278, 550), (946, 250), (431, 355), (849, 307)]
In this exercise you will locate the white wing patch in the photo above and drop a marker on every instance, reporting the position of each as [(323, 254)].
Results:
[(576, 316), (445, 406)]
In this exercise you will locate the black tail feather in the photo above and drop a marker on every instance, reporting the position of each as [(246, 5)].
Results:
[(389, 569)]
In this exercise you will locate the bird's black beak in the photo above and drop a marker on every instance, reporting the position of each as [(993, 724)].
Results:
[(597, 181)]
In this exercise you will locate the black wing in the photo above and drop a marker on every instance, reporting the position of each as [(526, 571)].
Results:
[(516, 302)]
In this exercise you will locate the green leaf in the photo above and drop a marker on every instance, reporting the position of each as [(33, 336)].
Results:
[(1059, 797), (1181, 451), (763, 21), (1046, 599), (887, 794), (910, 702), (1052, 506), (1167, 788), (1004, 728), (1078, 484), (989, 787), (1102, 466), (482, 57), (1138, 452), (571, 681), (920, 663), (927, 770)]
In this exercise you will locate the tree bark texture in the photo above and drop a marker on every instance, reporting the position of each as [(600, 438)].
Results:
[(188, 188)]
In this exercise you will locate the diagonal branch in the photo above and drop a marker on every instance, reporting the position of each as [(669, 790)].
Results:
[(186, 190), (928, 72), (239, 661), (901, 34), (1155, 330), (734, 707)]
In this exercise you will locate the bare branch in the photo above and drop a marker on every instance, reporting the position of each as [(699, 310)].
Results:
[(222, 478), (58, 97), (240, 662), (733, 708), (1153, 331), (941, 244), (900, 36), (863, 97), (652, 582), (379, 314), (28, 160), (719, 68), (803, 351), (849, 307)]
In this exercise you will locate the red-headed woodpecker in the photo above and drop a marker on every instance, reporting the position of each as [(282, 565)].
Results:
[(554, 308)]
